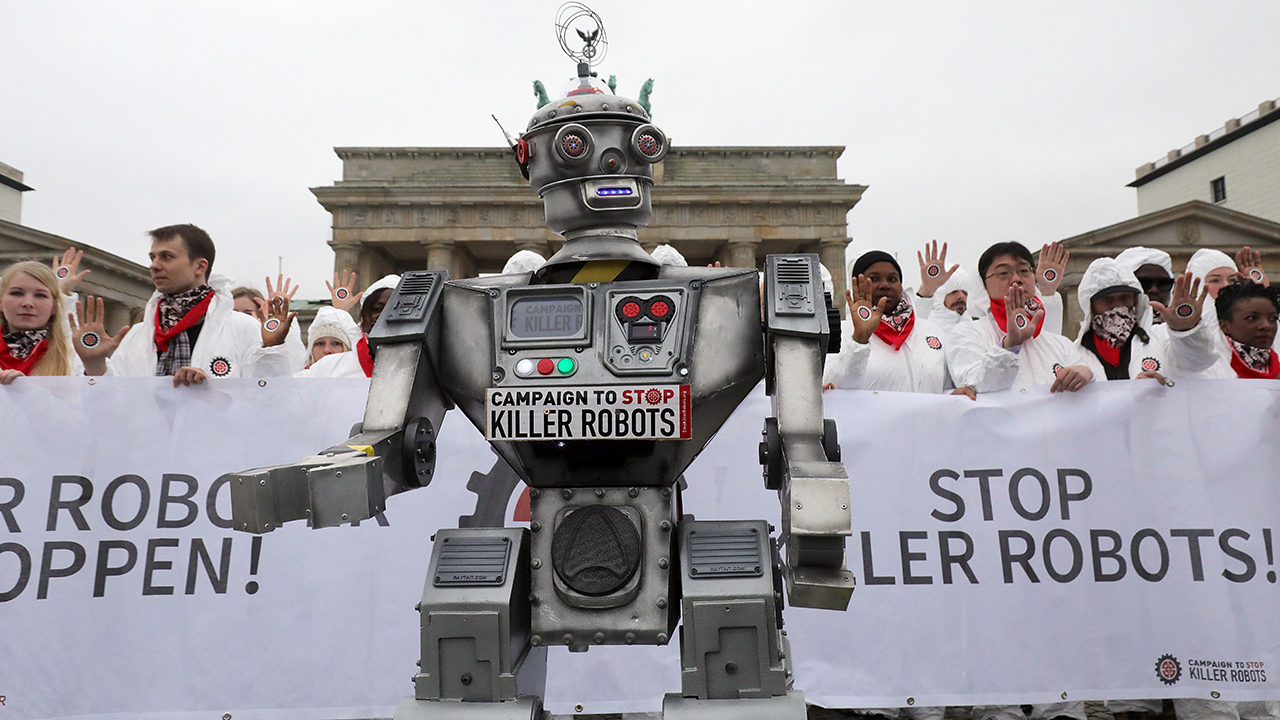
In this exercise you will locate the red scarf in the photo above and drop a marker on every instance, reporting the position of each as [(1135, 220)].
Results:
[(193, 316), (22, 365), (366, 358), (999, 312), (894, 337), (1244, 371), (1109, 355)]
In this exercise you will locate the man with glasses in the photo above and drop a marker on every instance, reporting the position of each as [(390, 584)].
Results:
[(1010, 345)]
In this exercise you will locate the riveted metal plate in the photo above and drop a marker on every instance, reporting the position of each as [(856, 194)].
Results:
[(472, 561), (734, 552)]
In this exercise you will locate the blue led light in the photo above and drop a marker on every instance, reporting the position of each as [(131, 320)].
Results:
[(613, 191)]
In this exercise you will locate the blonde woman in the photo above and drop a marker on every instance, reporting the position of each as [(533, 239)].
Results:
[(33, 340)]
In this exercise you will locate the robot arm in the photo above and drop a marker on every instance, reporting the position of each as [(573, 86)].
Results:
[(800, 452), (391, 451)]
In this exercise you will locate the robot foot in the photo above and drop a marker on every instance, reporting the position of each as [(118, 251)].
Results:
[(525, 707), (782, 707)]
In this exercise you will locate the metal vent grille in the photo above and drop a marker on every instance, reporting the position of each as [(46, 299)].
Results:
[(795, 271), (417, 283), (725, 553), (472, 561)]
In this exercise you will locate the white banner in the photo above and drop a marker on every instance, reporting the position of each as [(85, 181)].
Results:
[(1112, 543)]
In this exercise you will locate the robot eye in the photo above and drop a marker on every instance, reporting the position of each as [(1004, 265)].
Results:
[(573, 143), (648, 144)]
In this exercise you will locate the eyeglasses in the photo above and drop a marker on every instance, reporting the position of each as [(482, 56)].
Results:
[(1161, 284), (1004, 275)]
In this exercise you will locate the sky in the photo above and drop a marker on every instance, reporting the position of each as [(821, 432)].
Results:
[(969, 122)]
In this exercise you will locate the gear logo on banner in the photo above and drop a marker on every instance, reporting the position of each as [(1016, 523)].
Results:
[(1168, 669), (933, 342), (220, 367)]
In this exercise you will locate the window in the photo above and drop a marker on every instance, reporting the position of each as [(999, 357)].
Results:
[(1219, 189)]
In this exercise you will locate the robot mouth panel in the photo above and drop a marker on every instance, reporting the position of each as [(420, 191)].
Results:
[(612, 194)]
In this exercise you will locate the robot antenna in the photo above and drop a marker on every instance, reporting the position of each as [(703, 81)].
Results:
[(586, 24)]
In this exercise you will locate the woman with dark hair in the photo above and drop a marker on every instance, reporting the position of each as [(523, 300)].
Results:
[(1010, 345), (892, 347), (1247, 315)]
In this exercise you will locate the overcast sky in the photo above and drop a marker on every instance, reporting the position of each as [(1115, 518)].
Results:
[(970, 122)]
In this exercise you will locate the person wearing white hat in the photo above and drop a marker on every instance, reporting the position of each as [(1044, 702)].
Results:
[(1214, 268), (524, 261), (667, 255), (1116, 334), (358, 363)]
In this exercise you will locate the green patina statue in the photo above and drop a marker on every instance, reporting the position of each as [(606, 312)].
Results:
[(646, 90)]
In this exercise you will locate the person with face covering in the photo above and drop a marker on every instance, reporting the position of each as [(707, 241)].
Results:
[(33, 338), (1117, 335), (886, 346), (1009, 346), (359, 362)]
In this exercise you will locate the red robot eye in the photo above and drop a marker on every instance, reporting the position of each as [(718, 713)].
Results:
[(649, 145), (573, 146)]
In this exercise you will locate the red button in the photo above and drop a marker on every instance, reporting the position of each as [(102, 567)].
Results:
[(659, 309), (631, 309), (546, 366)]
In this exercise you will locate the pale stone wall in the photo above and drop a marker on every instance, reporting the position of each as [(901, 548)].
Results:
[(1251, 166), (10, 204)]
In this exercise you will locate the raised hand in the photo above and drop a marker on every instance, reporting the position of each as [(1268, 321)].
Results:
[(65, 269), (864, 317), (343, 295), (1053, 263), (1019, 322), (933, 269), (1249, 263), (1185, 303), (274, 313), (89, 338)]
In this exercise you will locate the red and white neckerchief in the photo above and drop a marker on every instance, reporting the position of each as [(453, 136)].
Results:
[(22, 349), (1253, 363), (190, 315), (895, 326), (998, 312), (366, 358)]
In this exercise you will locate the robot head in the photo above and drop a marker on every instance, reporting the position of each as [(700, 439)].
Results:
[(591, 156)]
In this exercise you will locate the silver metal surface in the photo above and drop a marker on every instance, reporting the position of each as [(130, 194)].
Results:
[(784, 707), (522, 708), (642, 612)]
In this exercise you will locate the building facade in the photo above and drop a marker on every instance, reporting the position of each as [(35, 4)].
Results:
[(467, 210), (1236, 167)]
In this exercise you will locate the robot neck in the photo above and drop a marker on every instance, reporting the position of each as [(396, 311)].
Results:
[(606, 253)]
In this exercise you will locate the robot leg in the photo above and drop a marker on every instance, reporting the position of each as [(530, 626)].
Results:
[(477, 662), (735, 657)]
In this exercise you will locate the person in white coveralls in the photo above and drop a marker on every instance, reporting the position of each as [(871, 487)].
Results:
[(190, 329), (1010, 346), (358, 362), (1117, 334), (885, 344)]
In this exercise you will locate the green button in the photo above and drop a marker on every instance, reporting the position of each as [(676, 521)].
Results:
[(565, 366)]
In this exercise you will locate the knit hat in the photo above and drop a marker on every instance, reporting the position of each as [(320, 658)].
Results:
[(331, 322), (871, 257)]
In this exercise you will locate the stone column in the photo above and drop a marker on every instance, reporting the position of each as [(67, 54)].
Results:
[(831, 255), (740, 253), (440, 256), (346, 256)]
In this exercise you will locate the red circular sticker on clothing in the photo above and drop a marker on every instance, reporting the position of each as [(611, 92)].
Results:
[(864, 312), (63, 272), (1057, 369), (341, 293), (933, 342), (220, 367), (90, 339), (1185, 310), (1050, 275), (933, 270), (272, 324), (1150, 364)]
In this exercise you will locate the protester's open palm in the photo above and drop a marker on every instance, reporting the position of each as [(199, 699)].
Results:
[(933, 269), (88, 336), (65, 267), (274, 313), (862, 314), (1185, 304), (1053, 263), (1249, 263), (343, 295), (1020, 323)]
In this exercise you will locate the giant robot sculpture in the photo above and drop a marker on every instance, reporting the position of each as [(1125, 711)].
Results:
[(599, 378)]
